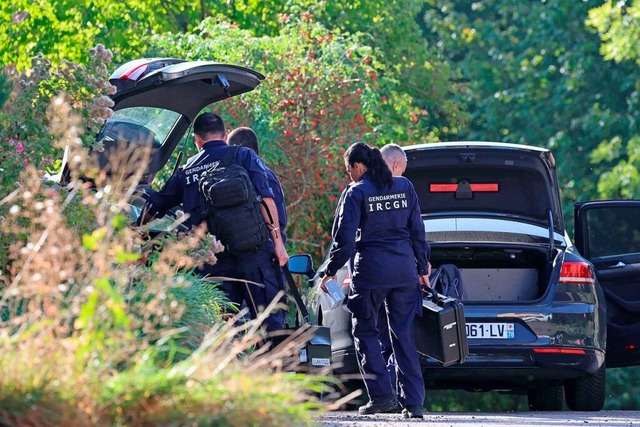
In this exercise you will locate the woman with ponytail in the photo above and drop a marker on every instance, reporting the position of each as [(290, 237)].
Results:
[(379, 230)]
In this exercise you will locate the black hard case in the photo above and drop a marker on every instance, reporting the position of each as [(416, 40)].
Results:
[(440, 332)]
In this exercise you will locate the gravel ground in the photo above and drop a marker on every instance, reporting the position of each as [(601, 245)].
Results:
[(476, 419)]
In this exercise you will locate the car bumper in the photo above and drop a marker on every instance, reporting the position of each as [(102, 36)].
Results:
[(489, 368), (499, 368)]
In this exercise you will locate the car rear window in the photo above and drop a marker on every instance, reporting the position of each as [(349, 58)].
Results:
[(509, 191)]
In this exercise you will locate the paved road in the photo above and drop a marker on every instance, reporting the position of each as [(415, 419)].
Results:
[(478, 419)]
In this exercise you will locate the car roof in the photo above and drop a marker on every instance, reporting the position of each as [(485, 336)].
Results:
[(472, 144)]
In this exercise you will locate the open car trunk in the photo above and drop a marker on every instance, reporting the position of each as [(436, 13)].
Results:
[(156, 101), (495, 274), (492, 210)]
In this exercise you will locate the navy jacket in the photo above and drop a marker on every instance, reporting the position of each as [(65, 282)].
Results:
[(182, 187), (384, 233), (278, 199)]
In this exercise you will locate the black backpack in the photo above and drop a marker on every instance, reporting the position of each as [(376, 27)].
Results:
[(231, 206), (447, 280)]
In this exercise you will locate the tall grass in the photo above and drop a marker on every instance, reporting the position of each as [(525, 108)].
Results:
[(95, 333)]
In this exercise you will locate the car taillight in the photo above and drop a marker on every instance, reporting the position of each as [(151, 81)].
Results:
[(452, 188), (559, 351), (134, 72), (577, 273)]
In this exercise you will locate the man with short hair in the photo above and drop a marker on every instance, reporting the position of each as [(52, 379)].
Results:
[(395, 158), (256, 265)]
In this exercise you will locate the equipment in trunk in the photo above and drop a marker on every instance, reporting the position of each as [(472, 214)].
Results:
[(492, 274)]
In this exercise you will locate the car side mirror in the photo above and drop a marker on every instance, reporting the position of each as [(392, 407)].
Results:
[(301, 264)]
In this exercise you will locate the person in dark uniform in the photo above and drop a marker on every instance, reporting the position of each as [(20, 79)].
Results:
[(255, 266), (246, 137), (379, 227), (396, 160)]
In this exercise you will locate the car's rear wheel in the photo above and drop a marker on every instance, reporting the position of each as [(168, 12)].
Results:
[(550, 398), (587, 393)]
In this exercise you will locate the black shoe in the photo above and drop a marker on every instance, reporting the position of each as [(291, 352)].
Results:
[(412, 411), (380, 405)]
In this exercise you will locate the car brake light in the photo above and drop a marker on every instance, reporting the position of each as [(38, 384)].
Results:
[(559, 351), (577, 273), (134, 73), (630, 347), (452, 188)]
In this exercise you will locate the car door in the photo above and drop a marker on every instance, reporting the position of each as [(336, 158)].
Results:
[(607, 233)]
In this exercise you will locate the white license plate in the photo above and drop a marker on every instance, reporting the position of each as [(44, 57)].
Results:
[(491, 330)]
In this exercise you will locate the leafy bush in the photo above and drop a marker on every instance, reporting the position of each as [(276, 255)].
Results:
[(29, 128), (95, 331)]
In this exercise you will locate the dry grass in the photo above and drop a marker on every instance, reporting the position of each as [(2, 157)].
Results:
[(92, 336)]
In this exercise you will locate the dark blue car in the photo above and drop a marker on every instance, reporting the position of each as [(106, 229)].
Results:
[(544, 316)]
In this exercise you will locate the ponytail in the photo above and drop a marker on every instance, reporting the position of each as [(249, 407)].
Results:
[(378, 170)]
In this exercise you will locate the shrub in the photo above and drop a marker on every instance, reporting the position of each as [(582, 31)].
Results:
[(28, 125), (94, 332)]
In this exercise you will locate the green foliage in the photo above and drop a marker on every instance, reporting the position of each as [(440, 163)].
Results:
[(94, 336), (6, 86), (415, 86), (33, 133), (622, 181), (418, 85), (465, 401), (26, 133), (63, 29), (533, 74), (618, 24), (623, 389)]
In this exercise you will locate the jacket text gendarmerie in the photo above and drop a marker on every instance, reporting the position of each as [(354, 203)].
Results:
[(388, 202)]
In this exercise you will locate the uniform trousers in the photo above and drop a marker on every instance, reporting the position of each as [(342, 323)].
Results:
[(257, 266), (402, 306), (385, 343)]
